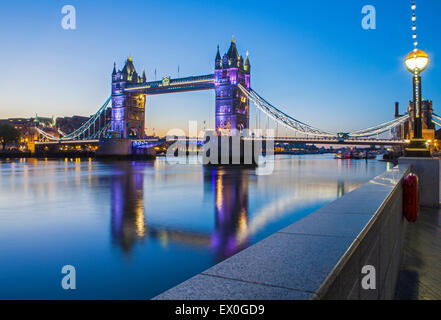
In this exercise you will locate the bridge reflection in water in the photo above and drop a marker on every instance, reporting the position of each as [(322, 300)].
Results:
[(227, 189), (127, 203), (230, 187)]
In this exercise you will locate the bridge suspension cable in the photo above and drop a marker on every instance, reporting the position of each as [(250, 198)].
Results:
[(86, 127), (300, 127), (436, 122), (437, 118), (282, 118), (381, 128)]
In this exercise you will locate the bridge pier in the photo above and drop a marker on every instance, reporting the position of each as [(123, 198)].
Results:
[(123, 149), (222, 150)]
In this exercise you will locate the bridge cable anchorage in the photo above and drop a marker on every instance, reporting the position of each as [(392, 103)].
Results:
[(282, 118), (381, 128), (76, 135)]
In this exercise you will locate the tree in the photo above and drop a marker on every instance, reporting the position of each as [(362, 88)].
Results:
[(8, 134)]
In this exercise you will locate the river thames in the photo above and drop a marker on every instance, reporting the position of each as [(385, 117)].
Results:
[(133, 229)]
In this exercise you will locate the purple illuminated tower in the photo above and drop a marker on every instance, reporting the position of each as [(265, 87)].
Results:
[(128, 108), (232, 106)]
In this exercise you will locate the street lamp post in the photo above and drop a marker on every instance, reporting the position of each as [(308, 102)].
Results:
[(416, 62)]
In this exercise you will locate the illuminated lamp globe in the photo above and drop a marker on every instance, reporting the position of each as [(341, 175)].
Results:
[(417, 61)]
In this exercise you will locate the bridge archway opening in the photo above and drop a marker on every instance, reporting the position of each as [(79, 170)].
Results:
[(174, 111)]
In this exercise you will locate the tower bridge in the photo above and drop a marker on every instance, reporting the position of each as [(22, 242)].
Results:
[(231, 81), (129, 91)]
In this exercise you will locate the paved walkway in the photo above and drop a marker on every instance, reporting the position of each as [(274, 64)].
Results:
[(420, 274)]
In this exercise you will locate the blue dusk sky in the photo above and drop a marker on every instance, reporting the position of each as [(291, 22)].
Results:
[(312, 59)]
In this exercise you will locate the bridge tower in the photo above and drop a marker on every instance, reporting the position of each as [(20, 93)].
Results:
[(232, 107), (128, 109)]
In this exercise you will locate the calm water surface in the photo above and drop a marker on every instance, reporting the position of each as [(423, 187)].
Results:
[(133, 229)]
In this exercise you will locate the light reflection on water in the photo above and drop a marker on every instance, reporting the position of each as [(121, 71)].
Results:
[(133, 229)]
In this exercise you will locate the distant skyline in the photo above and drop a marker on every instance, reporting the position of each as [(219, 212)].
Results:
[(311, 59)]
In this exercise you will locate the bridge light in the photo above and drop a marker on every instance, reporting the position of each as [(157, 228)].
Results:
[(417, 61)]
